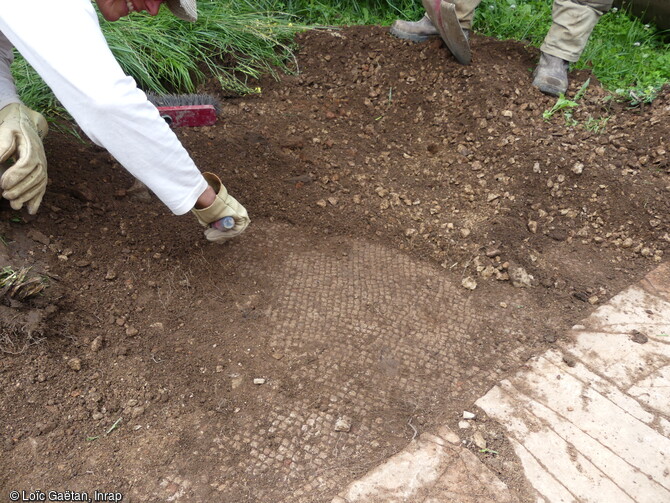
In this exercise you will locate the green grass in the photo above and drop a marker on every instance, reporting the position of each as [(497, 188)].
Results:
[(347, 12), (232, 41)]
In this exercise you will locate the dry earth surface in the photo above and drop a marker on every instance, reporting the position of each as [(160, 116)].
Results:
[(418, 232)]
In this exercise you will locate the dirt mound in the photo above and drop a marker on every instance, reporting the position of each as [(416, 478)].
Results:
[(375, 140)]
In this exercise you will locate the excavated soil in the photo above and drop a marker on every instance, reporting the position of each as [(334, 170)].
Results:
[(418, 232)]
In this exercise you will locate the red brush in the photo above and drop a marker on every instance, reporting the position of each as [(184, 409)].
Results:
[(186, 110)]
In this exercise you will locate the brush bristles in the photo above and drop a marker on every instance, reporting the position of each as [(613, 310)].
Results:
[(183, 100)]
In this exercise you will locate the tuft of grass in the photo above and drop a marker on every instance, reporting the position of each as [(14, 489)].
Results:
[(234, 42), (628, 56), (347, 12)]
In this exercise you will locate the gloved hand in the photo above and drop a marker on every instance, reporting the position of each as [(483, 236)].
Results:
[(21, 133), (223, 206)]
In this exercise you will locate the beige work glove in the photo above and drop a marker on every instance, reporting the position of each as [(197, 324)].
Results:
[(223, 206), (21, 133)]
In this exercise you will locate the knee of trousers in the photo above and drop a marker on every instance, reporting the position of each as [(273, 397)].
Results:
[(601, 6)]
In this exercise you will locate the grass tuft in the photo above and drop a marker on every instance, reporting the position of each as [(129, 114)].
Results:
[(234, 42)]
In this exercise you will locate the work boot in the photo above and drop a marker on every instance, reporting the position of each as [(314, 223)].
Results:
[(551, 75), (416, 31)]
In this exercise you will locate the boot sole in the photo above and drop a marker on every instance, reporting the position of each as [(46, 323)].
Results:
[(548, 88), (411, 36)]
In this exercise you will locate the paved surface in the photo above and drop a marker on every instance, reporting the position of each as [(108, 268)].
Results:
[(374, 340), (432, 469), (589, 421), (376, 336)]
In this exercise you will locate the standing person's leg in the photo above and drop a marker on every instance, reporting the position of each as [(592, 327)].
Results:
[(573, 22), (465, 10)]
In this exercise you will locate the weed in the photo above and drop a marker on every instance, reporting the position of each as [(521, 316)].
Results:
[(596, 125), (562, 103), (567, 106), (639, 96)]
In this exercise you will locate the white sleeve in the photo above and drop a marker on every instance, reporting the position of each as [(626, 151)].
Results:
[(65, 45), (7, 87)]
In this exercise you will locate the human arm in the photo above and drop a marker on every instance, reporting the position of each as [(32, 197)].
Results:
[(79, 67)]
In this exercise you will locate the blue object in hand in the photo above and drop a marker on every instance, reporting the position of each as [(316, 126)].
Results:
[(224, 224)]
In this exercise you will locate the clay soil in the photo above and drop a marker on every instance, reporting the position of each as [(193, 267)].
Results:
[(112, 375)]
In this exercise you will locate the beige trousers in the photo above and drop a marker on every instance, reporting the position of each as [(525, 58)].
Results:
[(573, 22)]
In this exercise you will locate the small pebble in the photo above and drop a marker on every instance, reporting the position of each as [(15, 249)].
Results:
[(463, 425), (479, 440), (469, 283), (343, 424), (569, 361), (74, 364), (96, 345)]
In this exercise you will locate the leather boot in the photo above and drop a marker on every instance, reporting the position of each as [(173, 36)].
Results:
[(551, 75), (416, 31)]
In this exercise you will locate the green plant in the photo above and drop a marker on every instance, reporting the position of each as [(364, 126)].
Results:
[(626, 54), (346, 12), (639, 96), (567, 106), (525, 20), (596, 125)]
